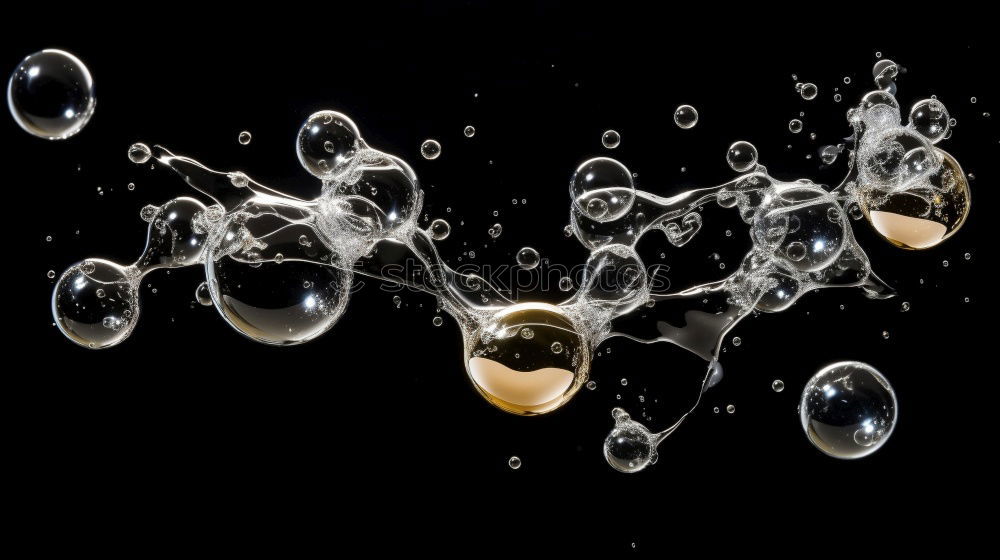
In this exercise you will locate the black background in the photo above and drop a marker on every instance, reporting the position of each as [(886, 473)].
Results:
[(188, 428)]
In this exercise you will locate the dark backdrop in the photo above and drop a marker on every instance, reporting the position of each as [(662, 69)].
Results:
[(187, 425)]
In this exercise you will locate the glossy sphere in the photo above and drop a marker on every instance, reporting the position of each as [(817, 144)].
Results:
[(602, 189), (848, 410), (51, 94), (512, 362), (326, 142), (802, 225), (630, 447), (95, 303)]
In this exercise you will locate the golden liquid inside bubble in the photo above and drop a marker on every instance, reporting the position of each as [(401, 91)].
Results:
[(924, 214), (513, 362)]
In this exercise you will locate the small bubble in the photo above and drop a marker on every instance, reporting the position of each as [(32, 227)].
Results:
[(244, 138), (686, 116), (795, 126), (439, 229), (557, 348), (885, 335), (51, 274), (624, 382), (847, 79), (737, 341), (527, 258), (565, 284), (808, 91), (591, 385), (905, 307), (944, 264), (470, 131), (397, 301), (437, 321), (611, 139), (778, 385), (972, 100), (731, 409), (527, 333), (139, 153), (131, 186), (495, 231), (430, 149), (514, 462), (968, 256)]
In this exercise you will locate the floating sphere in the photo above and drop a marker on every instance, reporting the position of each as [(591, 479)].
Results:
[(602, 189), (630, 447), (280, 304), (611, 139), (926, 211), (511, 362), (848, 410), (326, 143), (174, 239), (802, 225), (51, 94), (528, 258), (685, 116), (439, 229), (808, 91), (795, 126), (95, 303), (430, 149), (931, 119), (742, 156)]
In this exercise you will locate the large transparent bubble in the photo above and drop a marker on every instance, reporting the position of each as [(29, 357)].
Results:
[(51, 94), (848, 410), (96, 303), (602, 189), (528, 358), (326, 142)]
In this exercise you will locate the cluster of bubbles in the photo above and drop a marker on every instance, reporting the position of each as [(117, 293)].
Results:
[(910, 191), (279, 268)]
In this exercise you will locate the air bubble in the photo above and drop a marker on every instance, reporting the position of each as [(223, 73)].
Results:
[(430, 149)]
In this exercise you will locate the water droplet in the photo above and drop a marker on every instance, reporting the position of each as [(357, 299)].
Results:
[(611, 139), (139, 153), (686, 116), (51, 94), (528, 258), (430, 149)]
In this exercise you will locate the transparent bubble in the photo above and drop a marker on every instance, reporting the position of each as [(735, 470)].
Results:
[(437, 321), (514, 462), (808, 91), (686, 116), (51, 94), (528, 258), (737, 341), (930, 118), (173, 238), (731, 409), (495, 230), (203, 294), (611, 139), (430, 149), (795, 126), (244, 138), (796, 224), (390, 184), (522, 374), (326, 143), (439, 229), (565, 283), (470, 131), (95, 303), (742, 156), (279, 304), (139, 153), (848, 410), (630, 447), (602, 189), (778, 385), (885, 72)]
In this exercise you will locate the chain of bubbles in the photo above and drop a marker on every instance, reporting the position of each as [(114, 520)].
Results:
[(279, 269)]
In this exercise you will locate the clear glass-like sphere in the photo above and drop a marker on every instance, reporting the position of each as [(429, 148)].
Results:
[(51, 94), (512, 359), (803, 225), (602, 189), (281, 304), (326, 142), (848, 410), (630, 447), (95, 303)]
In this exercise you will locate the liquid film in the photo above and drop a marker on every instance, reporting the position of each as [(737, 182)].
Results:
[(279, 269)]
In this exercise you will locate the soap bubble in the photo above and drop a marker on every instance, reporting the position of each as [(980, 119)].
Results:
[(522, 374), (139, 153), (430, 149), (742, 156), (326, 142), (930, 118), (244, 138), (470, 131), (527, 258), (602, 189), (630, 447), (96, 303), (514, 462), (686, 116), (795, 126), (848, 410), (439, 229), (611, 139), (808, 91), (51, 94), (279, 304)]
